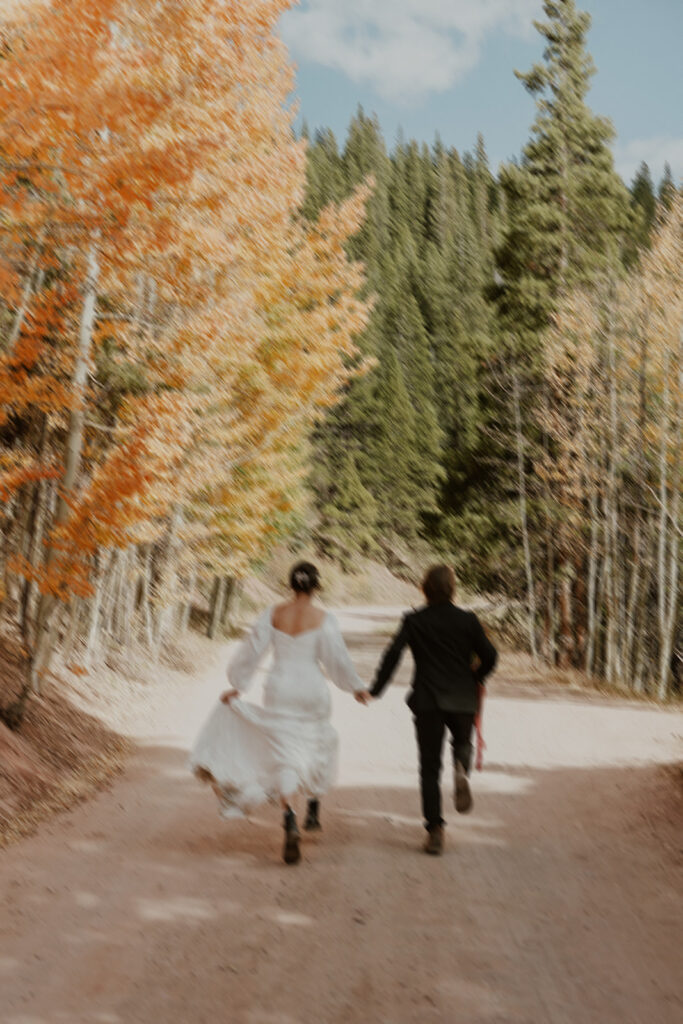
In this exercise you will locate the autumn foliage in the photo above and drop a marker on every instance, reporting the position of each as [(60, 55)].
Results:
[(169, 326), (615, 424)]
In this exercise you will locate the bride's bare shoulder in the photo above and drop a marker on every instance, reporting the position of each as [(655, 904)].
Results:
[(279, 611), (288, 617)]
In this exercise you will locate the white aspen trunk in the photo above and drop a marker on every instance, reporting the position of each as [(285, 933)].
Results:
[(662, 540), (146, 600), (20, 314), (550, 547), (670, 599), (592, 582), (216, 608), (646, 635), (565, 606), (5, 531), (164, 617), (33, 283), (636, 622), (639, 662), (128, 615), (95, 609), (161, 619), (109, 580), (620, 594), (633, 601), (608, 582), (167, 578), (670, 622), (611, 516), (33, 538), (74, 444), (73, 632), (117, 626), (521, 480), (72, 460), (184, 621), (638, 589), (12, 538), (601, 624)]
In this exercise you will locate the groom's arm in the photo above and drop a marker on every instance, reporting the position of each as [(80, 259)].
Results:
[(390, 660)]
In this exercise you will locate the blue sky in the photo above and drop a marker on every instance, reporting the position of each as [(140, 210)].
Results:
[(446, 66)]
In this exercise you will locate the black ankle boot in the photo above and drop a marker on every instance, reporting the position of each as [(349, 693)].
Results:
[(291, 853), (312, 823)]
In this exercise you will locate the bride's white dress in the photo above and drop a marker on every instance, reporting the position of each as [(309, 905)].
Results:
[(253, 753)]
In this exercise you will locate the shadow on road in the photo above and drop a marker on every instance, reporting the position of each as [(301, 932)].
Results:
[(557, 900)]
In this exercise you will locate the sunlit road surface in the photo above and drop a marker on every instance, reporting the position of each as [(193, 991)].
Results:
[(557, 901)]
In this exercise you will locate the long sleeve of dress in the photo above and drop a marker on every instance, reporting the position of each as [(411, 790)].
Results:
[(246, 659), (335, 659)]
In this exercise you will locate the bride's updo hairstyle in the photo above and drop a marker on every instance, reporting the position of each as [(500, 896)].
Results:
[(304, 578)]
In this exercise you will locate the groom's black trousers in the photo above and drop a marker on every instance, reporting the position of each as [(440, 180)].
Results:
[(430, 727)]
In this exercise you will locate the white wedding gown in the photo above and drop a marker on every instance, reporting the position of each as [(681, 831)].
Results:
[(252, 753)]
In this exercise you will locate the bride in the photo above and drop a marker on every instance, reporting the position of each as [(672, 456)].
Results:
[(251, 754)]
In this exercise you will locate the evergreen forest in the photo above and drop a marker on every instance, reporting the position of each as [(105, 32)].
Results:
[(523, 410), (216, 336)]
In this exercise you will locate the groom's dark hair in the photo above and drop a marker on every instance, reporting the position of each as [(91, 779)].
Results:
[(438, 586)]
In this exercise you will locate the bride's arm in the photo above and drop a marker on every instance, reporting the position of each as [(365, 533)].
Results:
[(246, 659), (336, 661)]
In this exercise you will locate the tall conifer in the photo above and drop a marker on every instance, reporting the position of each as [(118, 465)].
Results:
[(644, 209), (567, 206), (667, 189), (568, 212)]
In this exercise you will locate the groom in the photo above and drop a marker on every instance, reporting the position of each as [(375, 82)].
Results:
[(452, 656)]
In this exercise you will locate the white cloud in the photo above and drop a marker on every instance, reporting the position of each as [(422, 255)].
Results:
[(403, 48), (655, 151)]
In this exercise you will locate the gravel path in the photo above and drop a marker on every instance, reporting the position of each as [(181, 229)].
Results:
[(557, 901)]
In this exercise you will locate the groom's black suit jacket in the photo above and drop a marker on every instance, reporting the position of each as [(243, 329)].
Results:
[(452, 656)]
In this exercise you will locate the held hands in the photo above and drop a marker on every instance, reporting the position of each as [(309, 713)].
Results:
[(362, 696)]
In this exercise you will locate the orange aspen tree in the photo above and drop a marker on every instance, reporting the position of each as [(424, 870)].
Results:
[(76, 117), (172, 328)]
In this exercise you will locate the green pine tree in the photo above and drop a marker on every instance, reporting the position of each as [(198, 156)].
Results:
[(325, 180), (413, 425), (365, 157), (567, 207), (568, 216), (390, 468), (644, 210), (667, 189), (403, 331), (411, 168), (347, 512)]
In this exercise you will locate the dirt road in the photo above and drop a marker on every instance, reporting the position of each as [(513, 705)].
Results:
[(558, 900)]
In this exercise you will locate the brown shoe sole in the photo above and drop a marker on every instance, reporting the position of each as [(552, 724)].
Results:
[(463, 793), (291, 853), (434, 845)]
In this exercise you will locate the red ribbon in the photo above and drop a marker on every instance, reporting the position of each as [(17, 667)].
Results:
[(481, 746)]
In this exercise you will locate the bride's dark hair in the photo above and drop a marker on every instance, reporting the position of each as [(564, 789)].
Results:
[(304, 578)]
